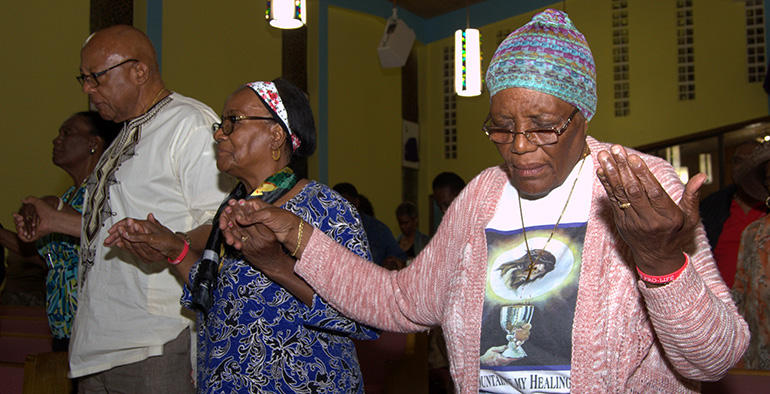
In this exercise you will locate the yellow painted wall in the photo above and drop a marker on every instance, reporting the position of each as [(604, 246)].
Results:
[(211, 48), (723, 95), (41, 55), (140, 14), (365, 112), (202, 57)]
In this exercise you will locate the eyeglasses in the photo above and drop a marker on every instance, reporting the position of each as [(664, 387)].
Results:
[(536, 136), (228, 122), (93, 79)]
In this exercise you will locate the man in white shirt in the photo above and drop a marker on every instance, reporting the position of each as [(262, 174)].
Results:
[(130, 331)]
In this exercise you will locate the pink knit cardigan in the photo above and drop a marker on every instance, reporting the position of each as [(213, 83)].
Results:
[(625, 338)]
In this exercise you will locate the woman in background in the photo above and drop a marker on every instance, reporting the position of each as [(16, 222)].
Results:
[(751, 288), (411, 239), (81, 141)]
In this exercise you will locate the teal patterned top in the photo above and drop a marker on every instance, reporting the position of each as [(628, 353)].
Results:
[(60, 253)]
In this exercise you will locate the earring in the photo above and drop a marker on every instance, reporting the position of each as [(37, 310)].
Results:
[(93, 151), (767, 202), (276, 154)]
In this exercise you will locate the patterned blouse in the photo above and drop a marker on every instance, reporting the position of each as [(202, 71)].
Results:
[(751, 291), (60, 253), (259, 338)]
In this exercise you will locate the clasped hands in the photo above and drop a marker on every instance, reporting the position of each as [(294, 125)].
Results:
[(656, 228), (33, 220), (258, 230), (242, 226)]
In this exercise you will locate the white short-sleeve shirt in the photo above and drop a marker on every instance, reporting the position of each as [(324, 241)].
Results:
[(166, 165)]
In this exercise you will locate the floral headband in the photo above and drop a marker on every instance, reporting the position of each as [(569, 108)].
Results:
[(268, 93)]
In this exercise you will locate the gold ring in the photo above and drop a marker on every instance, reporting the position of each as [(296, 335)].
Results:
[(244, 238), (624, 205)]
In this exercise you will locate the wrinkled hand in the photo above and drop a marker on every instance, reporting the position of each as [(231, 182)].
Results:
[(493, 357), (655, 227), (243, 213), (33, 221), (259, 245), (26, 221), (147, 239)]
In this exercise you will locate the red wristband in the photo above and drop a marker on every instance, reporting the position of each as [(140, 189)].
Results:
[(181, 255), (659, 280)]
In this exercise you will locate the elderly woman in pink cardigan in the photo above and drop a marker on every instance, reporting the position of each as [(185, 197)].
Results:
[(574, 266)]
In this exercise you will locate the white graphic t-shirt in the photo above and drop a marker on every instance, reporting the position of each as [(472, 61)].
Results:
[(526, 331)]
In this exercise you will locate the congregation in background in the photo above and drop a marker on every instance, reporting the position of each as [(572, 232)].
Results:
[(193, 254)]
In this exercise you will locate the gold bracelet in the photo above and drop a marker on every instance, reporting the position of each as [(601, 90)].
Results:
[(299, 239)]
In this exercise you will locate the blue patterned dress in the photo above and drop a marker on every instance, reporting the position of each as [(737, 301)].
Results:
[(60, 253), (259, 338)]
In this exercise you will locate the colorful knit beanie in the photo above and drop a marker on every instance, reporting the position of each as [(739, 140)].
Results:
[(548, 55)]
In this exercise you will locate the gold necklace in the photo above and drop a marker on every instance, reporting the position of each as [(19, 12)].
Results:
[(531, 266), (155, 100)]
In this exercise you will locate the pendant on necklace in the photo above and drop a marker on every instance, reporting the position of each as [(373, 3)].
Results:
[(531, 267)]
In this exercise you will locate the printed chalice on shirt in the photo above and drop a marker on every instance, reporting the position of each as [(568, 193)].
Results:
[(515, 320)]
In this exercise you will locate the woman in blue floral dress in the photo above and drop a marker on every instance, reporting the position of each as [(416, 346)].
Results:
[(258, 332), (76, 149)]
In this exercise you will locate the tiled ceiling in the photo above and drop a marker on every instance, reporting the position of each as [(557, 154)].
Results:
[(431, 8)]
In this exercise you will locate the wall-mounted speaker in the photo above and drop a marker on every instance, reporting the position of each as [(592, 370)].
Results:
[(396, 42)]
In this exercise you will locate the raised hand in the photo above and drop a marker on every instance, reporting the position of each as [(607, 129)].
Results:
[(655, 227)]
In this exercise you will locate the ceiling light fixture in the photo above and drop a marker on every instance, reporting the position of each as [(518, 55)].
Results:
[(286, 14), (468, 61)]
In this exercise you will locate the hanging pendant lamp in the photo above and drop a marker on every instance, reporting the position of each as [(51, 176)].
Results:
[(286, 14), (468, 62)]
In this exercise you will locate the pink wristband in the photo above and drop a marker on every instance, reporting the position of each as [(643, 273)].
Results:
[(665, 278), (181, 255)]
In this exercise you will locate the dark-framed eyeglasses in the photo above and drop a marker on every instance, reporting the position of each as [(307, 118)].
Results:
[(536, 136), (228, 122), (93, 79)]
